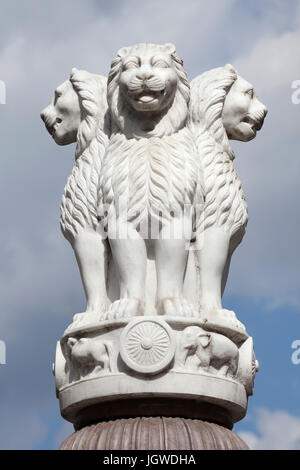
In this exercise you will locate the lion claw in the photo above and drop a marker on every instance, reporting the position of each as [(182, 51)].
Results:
[(123, 308), (178, 307)]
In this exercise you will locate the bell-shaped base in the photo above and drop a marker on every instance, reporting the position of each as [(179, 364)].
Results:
[(156, 433)]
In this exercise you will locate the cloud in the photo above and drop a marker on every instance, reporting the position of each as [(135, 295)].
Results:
[(283, 62), (276, 430)]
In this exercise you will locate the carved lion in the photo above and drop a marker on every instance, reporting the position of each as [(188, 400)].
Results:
[(149, 174), (223, 106), (78, 113)]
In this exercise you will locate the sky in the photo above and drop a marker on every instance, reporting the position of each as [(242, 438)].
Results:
[(40, 288)]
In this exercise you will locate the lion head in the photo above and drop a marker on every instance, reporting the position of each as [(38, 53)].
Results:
[(148, 91), (243, 114), (77, 110), (226, 105), (62, 116)]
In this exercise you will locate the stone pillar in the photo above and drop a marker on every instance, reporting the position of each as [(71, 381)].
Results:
[(154, 434)]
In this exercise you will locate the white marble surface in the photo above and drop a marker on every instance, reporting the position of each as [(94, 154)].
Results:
[(153, 356)]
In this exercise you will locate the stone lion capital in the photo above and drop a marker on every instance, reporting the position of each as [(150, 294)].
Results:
[(154, 210)]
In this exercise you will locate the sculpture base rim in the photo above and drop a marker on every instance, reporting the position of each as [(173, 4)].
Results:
[(112, 397), (150, 358)]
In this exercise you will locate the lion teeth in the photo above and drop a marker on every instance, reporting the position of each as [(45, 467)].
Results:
[(146, 99)]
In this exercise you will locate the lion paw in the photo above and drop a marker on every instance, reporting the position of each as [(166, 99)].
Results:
[(221, 315), (231, 317), (178, 307), (228, 314), (78, 317), (85, 318), (123, 308)]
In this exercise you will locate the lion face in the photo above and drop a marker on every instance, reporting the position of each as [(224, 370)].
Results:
[(148, 91), (243, 114), (148, 81), (62, 116)]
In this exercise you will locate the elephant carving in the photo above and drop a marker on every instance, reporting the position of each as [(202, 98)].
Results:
[(211, 352), (88, 356)]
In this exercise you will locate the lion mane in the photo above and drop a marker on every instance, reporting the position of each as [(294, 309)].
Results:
[(149, 171), (80, 198), (225, 203)]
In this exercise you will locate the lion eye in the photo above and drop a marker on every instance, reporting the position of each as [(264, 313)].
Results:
[(160, 64), (57, 95), (131, 64), (250, 93)]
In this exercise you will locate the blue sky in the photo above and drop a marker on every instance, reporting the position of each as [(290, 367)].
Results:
[(40, 289)]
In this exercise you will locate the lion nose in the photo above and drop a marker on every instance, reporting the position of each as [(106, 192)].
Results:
[(45, 113), (144, 75)]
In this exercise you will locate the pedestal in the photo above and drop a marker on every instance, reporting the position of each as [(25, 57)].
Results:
[(154, 382)]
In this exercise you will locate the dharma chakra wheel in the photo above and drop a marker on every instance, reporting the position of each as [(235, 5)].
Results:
[(147, 346)]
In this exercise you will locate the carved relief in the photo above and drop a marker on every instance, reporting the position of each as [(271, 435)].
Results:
[(59, 368), (248, 365), (210, 352), (147, 346), (88, 356)]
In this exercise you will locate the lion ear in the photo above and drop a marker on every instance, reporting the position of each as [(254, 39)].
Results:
[(73, 73), (123, 52), (170, 48), (230, 68)]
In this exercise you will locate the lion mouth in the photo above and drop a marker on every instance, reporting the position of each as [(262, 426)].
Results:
[(51, 123), (254, 124), (147, 96), (52, 130)]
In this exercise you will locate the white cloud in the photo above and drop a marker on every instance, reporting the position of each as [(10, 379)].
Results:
[(93, 43), (273, 61), (250, 438), (276, 430)]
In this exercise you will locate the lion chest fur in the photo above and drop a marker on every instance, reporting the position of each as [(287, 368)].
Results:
[(147, 176), (225, 203), (80, 198)]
